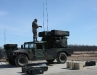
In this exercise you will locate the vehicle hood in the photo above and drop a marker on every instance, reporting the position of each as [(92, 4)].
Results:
[(20, 50)]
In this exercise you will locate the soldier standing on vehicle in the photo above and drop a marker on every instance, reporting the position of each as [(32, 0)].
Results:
[(34, 29)]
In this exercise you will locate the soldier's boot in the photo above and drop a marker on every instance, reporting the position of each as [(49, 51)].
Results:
[(33, 39), (36, 39)]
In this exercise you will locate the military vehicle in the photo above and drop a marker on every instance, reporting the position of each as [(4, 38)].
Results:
[(53, 45)]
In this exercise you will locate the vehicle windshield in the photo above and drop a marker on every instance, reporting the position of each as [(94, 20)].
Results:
[(28, 45)]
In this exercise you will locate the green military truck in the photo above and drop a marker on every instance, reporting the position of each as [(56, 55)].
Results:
[(53, 45)]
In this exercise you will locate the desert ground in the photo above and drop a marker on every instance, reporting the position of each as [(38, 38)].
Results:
[(54, 68)]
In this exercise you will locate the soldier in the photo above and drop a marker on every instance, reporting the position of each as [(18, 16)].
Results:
[(34, 29)]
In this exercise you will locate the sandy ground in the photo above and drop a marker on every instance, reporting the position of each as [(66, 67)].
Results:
[(53, 69)]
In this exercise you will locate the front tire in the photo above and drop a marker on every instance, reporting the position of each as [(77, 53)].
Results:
[(21, 60), (61, 58)]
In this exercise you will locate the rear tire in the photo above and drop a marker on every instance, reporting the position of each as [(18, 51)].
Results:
[(61, 58), (21, 60)]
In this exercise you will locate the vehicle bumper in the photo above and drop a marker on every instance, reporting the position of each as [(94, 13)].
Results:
[(11, 57)]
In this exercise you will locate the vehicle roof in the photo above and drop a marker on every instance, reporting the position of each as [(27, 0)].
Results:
[(9, 44), (35, 42)]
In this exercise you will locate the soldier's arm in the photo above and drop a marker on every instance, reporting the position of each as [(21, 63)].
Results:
[(40, 26), (37, 25)]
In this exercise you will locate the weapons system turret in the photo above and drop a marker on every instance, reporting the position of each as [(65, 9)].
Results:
[(54, 38)]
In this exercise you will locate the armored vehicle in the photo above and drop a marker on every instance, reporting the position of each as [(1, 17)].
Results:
[(53, 45)]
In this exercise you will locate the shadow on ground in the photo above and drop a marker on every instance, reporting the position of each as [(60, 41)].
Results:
[(22, 73), (31, 64), (7, 66), (39, 63)]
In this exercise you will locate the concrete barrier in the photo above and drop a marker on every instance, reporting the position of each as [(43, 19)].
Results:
[(75, 65), (70, 65), (79, 66), (67, 65)]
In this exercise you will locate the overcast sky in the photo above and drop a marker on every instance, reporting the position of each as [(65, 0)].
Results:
[(77, 16)]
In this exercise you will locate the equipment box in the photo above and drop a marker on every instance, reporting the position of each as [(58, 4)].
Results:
[(34, 69), (90, 63)]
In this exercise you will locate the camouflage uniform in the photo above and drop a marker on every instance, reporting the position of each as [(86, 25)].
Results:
[(34, 29)]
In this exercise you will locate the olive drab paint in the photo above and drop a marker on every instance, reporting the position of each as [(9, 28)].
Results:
[(53, 45)]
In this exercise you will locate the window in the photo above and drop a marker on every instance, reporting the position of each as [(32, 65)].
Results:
[(30, 45), (39, 46), (26, 45)]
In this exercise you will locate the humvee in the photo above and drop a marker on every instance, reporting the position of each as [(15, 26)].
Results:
[(53, 45)]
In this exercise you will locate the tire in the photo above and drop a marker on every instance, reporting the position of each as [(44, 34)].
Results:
[(50, 61), (11, 62), (61, 58), (21, 60)]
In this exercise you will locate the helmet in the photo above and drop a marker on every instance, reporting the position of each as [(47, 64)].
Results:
[(35, 19)]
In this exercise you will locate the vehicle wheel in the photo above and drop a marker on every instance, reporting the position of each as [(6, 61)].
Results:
[(21, 60), (11, 62), (61, 58), (50, 61)]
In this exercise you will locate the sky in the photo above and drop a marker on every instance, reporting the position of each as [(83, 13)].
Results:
[(79, 17)]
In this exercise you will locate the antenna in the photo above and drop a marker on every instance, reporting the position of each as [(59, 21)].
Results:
[(43, 16), (47, 15)]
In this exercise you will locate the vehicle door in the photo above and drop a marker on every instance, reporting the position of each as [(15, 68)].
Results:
[(28, 48), (40, 51)]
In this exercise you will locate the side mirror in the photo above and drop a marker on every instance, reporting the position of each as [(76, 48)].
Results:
[(21, 46)]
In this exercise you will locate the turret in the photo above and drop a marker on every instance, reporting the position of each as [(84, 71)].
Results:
[(54, 33), (55, 38)]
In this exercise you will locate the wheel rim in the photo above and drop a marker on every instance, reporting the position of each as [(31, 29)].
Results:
[(62, 58), (22, 60)]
